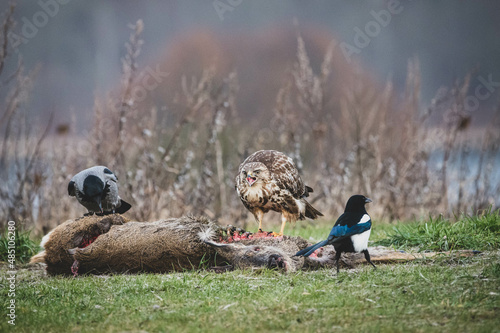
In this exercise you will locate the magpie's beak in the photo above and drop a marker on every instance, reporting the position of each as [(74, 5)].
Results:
[(251, 179), (368, 200)]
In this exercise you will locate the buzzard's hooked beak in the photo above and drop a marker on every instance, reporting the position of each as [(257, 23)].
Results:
[(251, 179), (367, 200)]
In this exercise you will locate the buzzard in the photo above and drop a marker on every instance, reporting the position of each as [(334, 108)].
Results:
[(268, 180)]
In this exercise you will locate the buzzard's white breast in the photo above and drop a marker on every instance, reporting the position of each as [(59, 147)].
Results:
[(254, 193)]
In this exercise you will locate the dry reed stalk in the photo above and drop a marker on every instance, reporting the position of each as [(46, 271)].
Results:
[(177, 160)]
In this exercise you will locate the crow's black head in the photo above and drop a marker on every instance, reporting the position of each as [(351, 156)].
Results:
[(71, 188), (93, 189), (93, 186), (356, 203)]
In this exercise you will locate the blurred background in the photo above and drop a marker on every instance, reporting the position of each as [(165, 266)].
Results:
[(397, 100)]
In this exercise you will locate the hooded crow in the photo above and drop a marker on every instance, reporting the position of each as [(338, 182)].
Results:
[(350, 233), (96, 189)]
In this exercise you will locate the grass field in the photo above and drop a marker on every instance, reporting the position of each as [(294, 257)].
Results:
[(447, 294)]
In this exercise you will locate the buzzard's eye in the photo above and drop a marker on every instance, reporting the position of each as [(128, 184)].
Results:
[(244, 173), (256, 172)]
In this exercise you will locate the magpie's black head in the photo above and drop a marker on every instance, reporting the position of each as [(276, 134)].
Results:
[(356, 203)]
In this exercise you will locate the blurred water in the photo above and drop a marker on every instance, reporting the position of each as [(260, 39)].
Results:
[(468, 172)]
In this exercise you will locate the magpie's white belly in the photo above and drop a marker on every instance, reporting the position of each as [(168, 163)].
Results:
[(360, 241)]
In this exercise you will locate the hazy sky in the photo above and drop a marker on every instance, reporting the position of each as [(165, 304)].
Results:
[(78, 44)]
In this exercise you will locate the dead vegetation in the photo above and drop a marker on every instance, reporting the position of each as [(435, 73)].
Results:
[(171, 161)]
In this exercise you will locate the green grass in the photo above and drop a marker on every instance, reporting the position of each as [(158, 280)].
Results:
[(447, 294), (25, 247), (453, 295), (469, 232)]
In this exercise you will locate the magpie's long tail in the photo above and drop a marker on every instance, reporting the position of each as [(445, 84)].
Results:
[(309, 250)]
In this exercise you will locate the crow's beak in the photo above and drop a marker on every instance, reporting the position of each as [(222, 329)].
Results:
[(98, 200), (367, 200)]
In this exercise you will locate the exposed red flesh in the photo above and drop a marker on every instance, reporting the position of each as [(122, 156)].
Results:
[(87, 241), (237, 236), (262, 235), (316, 254)]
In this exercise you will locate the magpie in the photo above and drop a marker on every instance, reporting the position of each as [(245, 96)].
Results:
[(97, 190), (350, 233)]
